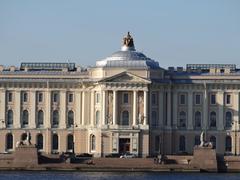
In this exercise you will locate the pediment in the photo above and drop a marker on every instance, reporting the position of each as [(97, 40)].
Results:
[(126, 77)]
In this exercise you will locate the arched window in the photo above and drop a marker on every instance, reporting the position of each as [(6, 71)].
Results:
[(213, 118), (70, 142), (55, 118), (228, 119), (228, 144), (197, 140), (9, 141), (182, 119), (25, 118), (213, 141), (9, 118), (55, 142), (93, 142), (198, 119), (39, 141), (182, 143), (154, 118), (70, 118), (125, 118), (40, 116), (97, 117)]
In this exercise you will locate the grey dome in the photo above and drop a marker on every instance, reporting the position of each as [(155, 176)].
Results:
[(128, 57)]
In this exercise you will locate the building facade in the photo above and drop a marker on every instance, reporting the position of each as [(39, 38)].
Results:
[(126, 103)]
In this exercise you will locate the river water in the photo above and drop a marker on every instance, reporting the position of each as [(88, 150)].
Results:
[(114, 176)]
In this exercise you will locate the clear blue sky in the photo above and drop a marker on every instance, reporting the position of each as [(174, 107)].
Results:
[(174, 32)]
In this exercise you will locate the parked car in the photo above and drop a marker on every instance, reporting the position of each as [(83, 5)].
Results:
[(113, 155), (128, 155)]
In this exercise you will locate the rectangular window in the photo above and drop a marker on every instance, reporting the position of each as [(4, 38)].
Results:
[(228, 99), (10, 97), (197, 99), (24, 97), (70, 98), (40, 97), (97, 98), (154, 99), (55, 97), (125, 98), (182, 99), (213, 99)]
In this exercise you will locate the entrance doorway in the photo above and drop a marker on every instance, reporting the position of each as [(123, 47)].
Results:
[(124, 145)]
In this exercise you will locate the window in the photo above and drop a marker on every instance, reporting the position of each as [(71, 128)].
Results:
[(157, 143), (97, 97), (10, 97), (55, 97), (154, 118), (228, 119), (197, 99), (228, 144), (9, 118), (125, 118), (182, 99), (182, 119), (70, 98), (40, 97), (213, 119), (25, 97), (70, 118), (197, 140), (40, 119), (40, 142), (125, 98), (97, 117), (70, 142), (25, 118), (55, 142), (213, 141), (55, 119), (154, 99), (9, 141), (93, 143), (228, 99), (213, 99), (182, 143), (197, 119)]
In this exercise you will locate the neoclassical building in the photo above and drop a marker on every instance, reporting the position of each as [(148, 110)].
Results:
[(125, 103)]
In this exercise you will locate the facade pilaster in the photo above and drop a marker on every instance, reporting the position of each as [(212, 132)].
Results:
[(78, 108), (169, 108), (114, 107), (160, 108), (134, 108), (47, 119), (32, 122), (145, 96), (63, 108), (92, 109), (205, 109), (3, 108), (103, 107), (190, 110), (83, 107), (17, 110), (175, 109), (220, 102)]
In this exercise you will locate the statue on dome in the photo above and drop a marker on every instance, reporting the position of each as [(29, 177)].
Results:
[(128, 40)]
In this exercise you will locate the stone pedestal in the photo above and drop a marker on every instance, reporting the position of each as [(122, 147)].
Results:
[(25, 156), (205, 159)]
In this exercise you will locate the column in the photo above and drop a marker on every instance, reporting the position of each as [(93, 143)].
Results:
[(220, 102), (78, 108), (160, 108), (63, 109), (83, 108), (169, 108), (134, 107), (190, 110), (114, 107), (145, 94), (205, 109), (235, 127), (17, 110), (104, 107), (175, 109), (47, 118), (92, 109), (3, 108), (32, 122)]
